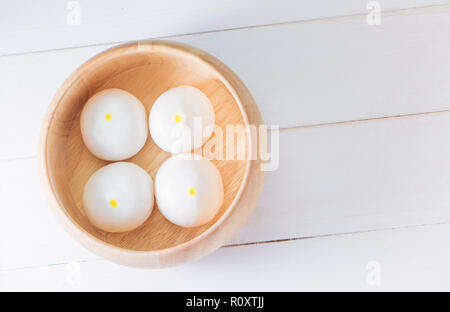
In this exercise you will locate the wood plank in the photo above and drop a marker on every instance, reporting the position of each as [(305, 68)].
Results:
[(300, 74), (340, 70), (405, 259), (354, 177), (30, 26), (29, 233), (332, 179)]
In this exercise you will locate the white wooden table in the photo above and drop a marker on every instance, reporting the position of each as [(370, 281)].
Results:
[(361, 199)]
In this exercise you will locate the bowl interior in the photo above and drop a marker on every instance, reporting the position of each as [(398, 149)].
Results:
[(146, 74)]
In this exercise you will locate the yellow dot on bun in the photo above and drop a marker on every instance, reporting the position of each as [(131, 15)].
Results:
[(108, 117), (178, 107), (113, 203), (189, 192)]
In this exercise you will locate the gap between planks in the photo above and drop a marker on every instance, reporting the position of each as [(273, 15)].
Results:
[(299, 127), (444, 111), (284, 240), (306, 21)]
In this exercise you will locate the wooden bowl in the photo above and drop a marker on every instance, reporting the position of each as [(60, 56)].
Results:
[(147, 69)]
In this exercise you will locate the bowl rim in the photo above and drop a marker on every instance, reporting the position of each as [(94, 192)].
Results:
[(90, 241)]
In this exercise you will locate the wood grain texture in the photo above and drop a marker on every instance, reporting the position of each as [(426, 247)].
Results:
[(356, 176), (407, 58), (147, 69), (350, 177), (412, 259), (35, 26), (299, 74)]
